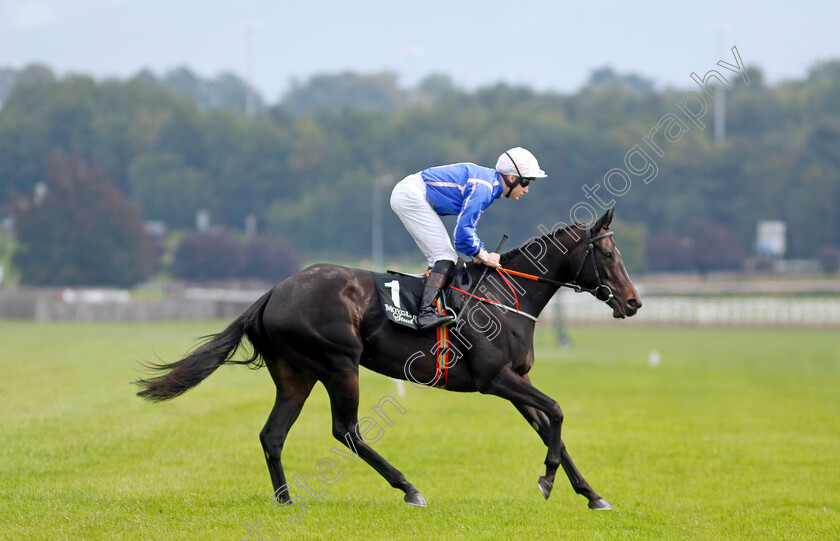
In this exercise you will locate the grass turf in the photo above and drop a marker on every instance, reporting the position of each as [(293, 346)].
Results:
[(735, 435)]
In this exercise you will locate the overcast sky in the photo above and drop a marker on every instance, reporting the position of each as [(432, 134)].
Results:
[(546, 45)]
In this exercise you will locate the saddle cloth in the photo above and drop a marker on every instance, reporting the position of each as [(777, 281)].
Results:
[(400, 294)]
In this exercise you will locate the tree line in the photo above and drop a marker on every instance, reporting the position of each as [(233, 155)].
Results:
[(306, 167)]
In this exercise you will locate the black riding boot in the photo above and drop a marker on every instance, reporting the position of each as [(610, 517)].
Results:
[(437, 280)]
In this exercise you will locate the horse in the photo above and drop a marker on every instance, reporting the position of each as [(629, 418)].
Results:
[(322, 323)]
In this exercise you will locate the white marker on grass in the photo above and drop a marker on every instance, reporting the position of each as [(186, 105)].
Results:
[(654, 358)]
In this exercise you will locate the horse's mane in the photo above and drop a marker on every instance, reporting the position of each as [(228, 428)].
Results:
[(507, 256)]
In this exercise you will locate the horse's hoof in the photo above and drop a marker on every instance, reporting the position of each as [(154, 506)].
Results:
[(545, 487), (415, 498), (600, 505)]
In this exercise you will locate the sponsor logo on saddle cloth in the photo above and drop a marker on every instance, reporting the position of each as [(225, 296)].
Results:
[(400, 296)]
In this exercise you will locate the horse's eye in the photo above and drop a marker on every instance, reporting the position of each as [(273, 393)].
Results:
[(609, 255)]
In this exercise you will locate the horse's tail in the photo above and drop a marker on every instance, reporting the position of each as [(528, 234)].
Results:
[(214, 352)]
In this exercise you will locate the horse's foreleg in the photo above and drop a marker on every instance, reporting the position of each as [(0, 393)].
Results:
[(344, 402), (546, 417), (539, 421)]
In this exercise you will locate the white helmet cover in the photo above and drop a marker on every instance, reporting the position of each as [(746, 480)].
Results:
[(521, 159)]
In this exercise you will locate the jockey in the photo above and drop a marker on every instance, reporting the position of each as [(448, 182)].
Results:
[(465, 190)]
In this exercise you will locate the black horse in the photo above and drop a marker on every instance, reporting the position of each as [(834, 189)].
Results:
[(325, 321)]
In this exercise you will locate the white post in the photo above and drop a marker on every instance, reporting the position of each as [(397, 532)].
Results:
[(720, 101), (377, 250)]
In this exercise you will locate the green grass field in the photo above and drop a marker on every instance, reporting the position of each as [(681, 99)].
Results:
[(736, 435)]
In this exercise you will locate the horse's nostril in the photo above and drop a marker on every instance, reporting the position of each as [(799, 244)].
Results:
[(634, 303)]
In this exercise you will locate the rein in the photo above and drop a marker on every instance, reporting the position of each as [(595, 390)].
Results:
[(497, 303), (590, 250)]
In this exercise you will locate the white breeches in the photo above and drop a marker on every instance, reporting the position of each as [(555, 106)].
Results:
[(409, 201)]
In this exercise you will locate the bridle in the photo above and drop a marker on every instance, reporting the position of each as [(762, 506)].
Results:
[(590, 250)]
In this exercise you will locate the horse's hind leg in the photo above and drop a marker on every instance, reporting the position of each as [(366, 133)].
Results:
[(293, 388), (343, 389)]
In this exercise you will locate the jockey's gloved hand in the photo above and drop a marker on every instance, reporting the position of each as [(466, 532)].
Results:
[(491, 259)]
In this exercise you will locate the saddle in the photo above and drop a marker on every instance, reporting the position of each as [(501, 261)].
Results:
[(400, 293)]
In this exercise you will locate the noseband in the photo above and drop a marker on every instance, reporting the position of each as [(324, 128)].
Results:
[(590, 250)]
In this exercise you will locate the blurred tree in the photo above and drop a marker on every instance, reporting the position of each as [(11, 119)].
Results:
[(33, 73), (345, 91), (829, 258), (755, 109), (345, 217), (812, 208), (36, 73), (225, 91), (167, 151), (250, 171), (824, 91), (715, 247), (168, 190), (606, 76), (81, 232), (8, 78), (270, 259), (183, 131), (23, 147), (208, 256), (229, 92), (435, 87), (668, 252), (8, 246), (632, 240), (220, 256)]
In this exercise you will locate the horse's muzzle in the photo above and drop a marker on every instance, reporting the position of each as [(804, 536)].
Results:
[(626, 308)]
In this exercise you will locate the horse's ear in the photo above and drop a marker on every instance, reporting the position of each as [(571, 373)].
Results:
[(605, 220)]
